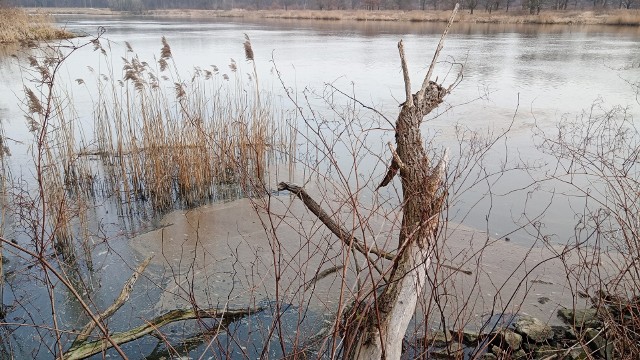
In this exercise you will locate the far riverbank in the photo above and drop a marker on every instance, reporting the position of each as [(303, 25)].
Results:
[(568, 17)]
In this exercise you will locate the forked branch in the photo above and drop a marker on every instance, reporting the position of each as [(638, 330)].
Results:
[(90, 348)]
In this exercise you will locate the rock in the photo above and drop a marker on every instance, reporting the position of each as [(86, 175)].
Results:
[(497, 350), (519, 355), (581, 318), (488, 356), (470, 337), (543, 300), (546, 351), (439, 338), (534, 329), (577, 354), (599, 343), (562, 333), (508, 338), (452, 351)]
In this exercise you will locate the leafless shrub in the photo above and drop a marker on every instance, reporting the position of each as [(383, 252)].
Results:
[(597, 161)]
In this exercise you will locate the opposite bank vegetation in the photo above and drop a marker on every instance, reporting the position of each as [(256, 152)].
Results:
[(17, 25), (566, 17)]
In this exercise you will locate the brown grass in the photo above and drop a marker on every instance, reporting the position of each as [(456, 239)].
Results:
[(17, 25), (167, 139), (568, 17)]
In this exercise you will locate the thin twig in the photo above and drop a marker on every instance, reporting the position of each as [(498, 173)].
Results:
[(108, 340)]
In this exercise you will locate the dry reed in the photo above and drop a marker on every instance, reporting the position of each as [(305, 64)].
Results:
[(161, 141), (17, 25), (183, 145)]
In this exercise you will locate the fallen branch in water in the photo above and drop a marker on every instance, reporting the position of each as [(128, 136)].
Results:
[(87, 349), (117, 304)]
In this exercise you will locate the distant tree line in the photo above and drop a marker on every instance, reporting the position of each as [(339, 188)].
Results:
[(533, 6)]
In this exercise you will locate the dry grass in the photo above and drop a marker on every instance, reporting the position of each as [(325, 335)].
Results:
[(157, 140), (17, 25), (166, 139), (569, 17)]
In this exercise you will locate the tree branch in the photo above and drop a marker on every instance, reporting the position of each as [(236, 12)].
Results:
[(87, 349), (64, 280), (396, 164), (117, 304), (338, 230), (405, 74), (427, 78)]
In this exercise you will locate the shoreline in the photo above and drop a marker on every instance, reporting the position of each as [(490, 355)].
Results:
[(566, 17)]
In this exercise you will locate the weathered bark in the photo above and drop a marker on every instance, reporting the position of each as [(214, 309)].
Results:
[(385, 318), (380, 336)]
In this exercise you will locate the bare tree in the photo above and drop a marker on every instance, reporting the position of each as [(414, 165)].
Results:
[(388, 314)]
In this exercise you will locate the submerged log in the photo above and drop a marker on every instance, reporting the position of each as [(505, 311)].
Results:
[(83, 348), (86, 349)]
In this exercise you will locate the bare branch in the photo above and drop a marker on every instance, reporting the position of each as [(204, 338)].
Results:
[(396, 158), (117, 304), (65, 281), (405, 74), (338, 230), (396, 164), (323, 274), (87, 349), (427, 78)]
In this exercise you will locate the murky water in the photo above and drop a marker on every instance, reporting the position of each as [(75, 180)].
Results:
[(531, 75)]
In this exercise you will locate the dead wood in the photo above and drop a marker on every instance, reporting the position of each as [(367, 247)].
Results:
[(385, 318), (87, 349), (82, 348), (117, 304), (342, 233)]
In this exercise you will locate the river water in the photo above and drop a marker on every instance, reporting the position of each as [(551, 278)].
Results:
[(515, 76)]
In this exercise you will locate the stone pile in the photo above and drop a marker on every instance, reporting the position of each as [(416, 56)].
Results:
[(582, 337)]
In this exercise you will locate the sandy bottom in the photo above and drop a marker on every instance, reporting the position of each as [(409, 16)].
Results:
[(245, 252)]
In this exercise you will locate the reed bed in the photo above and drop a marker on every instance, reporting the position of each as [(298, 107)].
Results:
[(167, 139), (155, 140), (17, 25), (625, 17)]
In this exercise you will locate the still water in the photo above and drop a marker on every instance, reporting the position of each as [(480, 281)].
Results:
[(533, 75), (516, 77)]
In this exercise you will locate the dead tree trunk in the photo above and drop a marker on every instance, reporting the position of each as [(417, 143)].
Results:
[(387, 321), (386, 318)]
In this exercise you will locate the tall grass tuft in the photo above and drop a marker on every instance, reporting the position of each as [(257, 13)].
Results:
[(169, 139), (158, 140)]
